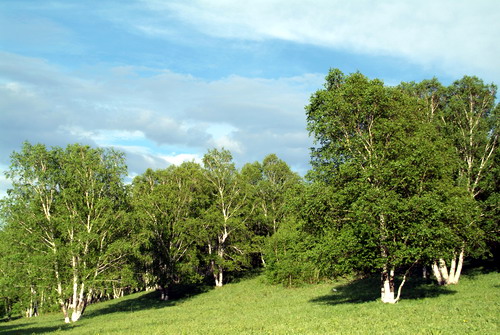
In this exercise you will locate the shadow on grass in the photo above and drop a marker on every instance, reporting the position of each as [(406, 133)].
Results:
[(145, 301), (24, 328), (8, 319), (474, 268), (368, 289)]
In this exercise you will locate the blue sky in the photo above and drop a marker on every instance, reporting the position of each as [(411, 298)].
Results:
[(166, 80)]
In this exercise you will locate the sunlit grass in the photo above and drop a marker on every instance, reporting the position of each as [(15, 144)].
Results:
[(253, 307)]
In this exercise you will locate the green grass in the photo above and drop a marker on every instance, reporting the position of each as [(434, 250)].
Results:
[(253, 307)]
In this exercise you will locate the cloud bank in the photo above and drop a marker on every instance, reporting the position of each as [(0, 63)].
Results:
[(458, 36)]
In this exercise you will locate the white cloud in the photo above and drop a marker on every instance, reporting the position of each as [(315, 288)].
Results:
[(456, 36), (223, 137), (178, 159), (228, 143), (104, 137)]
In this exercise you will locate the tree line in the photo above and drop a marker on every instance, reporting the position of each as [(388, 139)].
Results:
[(402, 177)]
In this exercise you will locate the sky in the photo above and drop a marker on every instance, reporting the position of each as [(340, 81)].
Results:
[(164, 81)]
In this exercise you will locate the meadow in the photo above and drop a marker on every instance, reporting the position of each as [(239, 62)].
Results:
[(251, 306)]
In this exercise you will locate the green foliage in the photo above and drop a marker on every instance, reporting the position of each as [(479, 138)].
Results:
[(490, 207), (228, 234), (374, 152), (65, 222), (387, 155), (168, 205), (289, 258)]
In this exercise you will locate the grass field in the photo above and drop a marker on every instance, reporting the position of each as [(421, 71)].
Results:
[(253, 307)]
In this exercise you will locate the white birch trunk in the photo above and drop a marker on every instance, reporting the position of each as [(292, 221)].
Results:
[(74, 300), (456, 268), (443, 270), (387, 276), (32, 310), (79, 303), (388, 288), (440, 272), (387, 291), (117, 292), (219, 276), (60, 299), (78, 311), (75, 316), (451, 274), (459, 266), (437, 273)]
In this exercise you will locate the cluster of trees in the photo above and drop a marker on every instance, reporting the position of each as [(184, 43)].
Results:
[(401, 177), (74, 233), (410, 174)]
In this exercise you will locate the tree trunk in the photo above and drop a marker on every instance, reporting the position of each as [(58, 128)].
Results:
[(164, 293), (441, 271), (437, 273), (62, 303), (79, 304), (117, 292), (387, 288), (456, 268), (78, 310), (219, 276), (66, 317), (76, 314), (32, 310), (387, 276)]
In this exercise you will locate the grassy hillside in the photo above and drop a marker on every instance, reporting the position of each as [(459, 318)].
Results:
[(252, 307)]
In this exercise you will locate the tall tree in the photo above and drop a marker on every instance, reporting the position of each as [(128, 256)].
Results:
[(227, 233), (71, 204), (169, 204), (380, 158), (274, 184), (471, 118), (467, 116), (278, 179)]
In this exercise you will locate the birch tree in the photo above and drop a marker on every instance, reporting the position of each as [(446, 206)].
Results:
[(471, 118), (30, 206), (227, 234), (71, 203), (277, 180), (467, 116), (380, 159)]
